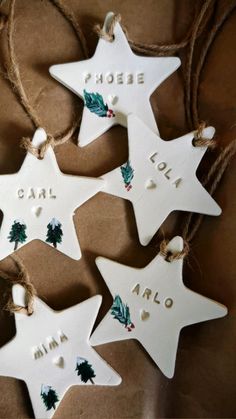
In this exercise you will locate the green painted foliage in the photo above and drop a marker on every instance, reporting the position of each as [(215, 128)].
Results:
[(49, 397), (95, 103), (54, 233), (85, 370), (17, 233), (127, 173), (120, 311)]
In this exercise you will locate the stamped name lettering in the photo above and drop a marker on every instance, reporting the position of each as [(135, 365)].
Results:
[(50, 343), (35, 193), (163, 167), (150, 295), (114, 78)]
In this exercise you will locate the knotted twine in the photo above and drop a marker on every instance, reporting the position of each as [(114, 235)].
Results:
[(221, 163), (13, 74), (218, 168), (22, 278)]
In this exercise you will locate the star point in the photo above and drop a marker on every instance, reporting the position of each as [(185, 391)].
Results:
[(40, 202), (123, 80), (160, 177), (48, 350), (152, 305)]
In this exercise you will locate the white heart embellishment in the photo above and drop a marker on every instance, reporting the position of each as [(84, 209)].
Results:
[(150, 184), (145, 315), (59, 362), (37, 211), (113, 99)]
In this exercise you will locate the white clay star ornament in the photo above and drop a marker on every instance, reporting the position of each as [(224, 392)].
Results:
[(152, 305), (39, 203), (160, 177), (51, 352), (114, 83)]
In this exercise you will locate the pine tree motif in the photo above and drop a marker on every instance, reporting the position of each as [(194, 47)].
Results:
[(121, 312), (95, 103), (85, 370), (127, 173), (17, 233), (54, 233), (49, 397)]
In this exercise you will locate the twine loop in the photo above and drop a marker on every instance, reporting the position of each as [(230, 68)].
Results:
[(22, 279), (199, 140), (107, 32), (40, 151), (170, 256)]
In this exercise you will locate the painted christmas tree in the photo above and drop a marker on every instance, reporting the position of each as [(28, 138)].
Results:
[(49, 397), (121, 312), (54, 233), (17, 233), (95, 103), (85, 370), (127, 173)]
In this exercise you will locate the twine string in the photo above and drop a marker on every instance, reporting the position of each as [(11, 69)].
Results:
[(152, 49), (210, 36), (171, 256), (217, 170), (189, 62), (23, 279), (69, 15), (107, 32), (13, 74), (193, 221), (199, 140)]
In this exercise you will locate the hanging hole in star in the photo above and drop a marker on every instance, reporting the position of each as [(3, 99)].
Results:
[(194, 142), (168, 256)]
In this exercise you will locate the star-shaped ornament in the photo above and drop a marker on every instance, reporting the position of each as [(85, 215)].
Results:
[(51, 352), (152, 305), (114, 83), (39, 201), (160, 177)]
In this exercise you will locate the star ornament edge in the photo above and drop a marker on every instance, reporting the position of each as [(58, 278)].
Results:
[(111, 377), (139, 145), (165, 67), (211, 309), (70, 247)]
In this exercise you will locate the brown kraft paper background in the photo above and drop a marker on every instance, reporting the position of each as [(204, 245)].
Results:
[(204, 381)]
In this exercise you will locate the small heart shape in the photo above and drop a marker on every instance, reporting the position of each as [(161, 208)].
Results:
[(37, 211), (113, 99), (59, 361), (150, 184), (145, 315)]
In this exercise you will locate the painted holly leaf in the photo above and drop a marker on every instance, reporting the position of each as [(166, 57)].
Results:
[(127, 173), (49, 397), (95, 103), (85, 370), (120, 312)]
